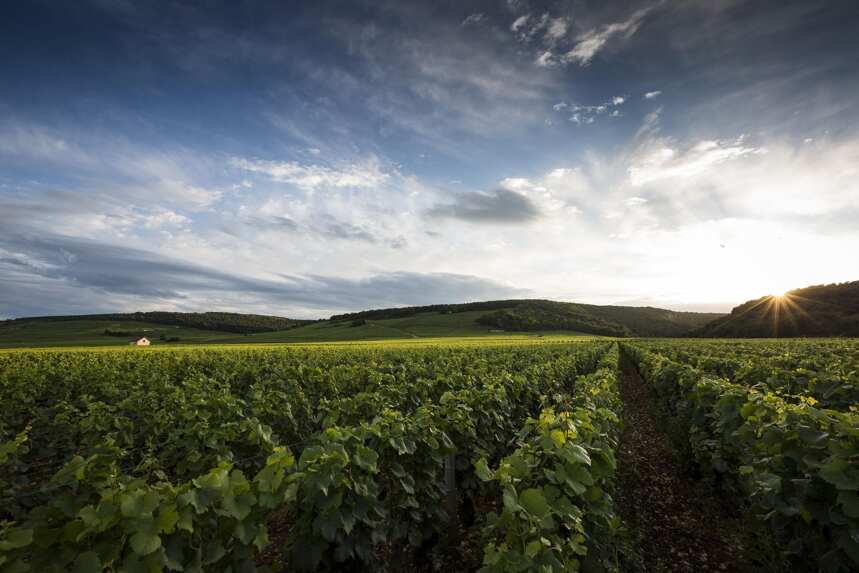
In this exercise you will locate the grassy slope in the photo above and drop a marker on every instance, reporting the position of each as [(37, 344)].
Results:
[(417, 327), (424, 325), (91, 333)]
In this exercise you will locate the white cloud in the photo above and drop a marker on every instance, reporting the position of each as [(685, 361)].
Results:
[(652, 95), (520, 184), (310, 177), (580, 119), (664, 162), (549, 201), (591, 42), (195, 196), (650, 125), (545, 60), (111, 166), (527, 28), (38, 142), (519, 23), (587, 114), (164, 219), (556, 29), (775, 211)]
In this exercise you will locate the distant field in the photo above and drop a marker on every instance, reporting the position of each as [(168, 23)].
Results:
[(91, 333), (420, 327), (425, 325), (380, 343)]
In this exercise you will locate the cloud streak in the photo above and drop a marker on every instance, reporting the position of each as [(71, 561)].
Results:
[(499, 206), (589, 44), (311, 177), (101, 276)]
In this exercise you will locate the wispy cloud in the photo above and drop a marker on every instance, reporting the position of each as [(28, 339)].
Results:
[(665, 162), (520, 22), (634, 201), (653, 94), (434, 82), (114, 165), (545, 60), (592, 41), (313, 176), (527, 27), (103, 277), (587, 114), (33, 141), (556, 29)]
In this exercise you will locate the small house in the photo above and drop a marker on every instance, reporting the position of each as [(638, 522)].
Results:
[(140, 342)]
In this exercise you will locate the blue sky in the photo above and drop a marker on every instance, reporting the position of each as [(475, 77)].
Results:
[(303, 159)]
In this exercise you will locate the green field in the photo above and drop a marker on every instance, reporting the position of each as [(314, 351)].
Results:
[(518, 318), (79, 333), (91, 333), (182, 457), (424, 325), (336, 455)]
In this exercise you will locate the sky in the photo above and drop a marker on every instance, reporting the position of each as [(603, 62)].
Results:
[(309, 158)]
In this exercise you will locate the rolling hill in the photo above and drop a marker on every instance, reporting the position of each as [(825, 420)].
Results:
[(820, 310), (218, 321), (495, 318), (119, 328), (538, 315)]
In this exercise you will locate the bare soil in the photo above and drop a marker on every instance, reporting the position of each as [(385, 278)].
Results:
[(681, 525)]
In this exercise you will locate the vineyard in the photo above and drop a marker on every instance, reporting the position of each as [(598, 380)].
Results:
[(492, 457)]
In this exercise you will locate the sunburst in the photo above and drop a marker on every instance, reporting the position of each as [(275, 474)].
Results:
[(783, 308), (779, 310)]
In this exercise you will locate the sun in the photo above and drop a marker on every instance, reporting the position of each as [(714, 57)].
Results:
[(780, 291)]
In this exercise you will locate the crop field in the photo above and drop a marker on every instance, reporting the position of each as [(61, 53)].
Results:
[(776, 424), (492, 455)]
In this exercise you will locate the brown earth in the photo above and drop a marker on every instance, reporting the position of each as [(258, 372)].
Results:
[(680, 523)]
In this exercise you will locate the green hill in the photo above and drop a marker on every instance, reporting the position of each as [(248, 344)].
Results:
[(490, 318), (606, 320), (420, 325), (86, 332), (820, 310), (120, 328), (536, 315), (219, 321)]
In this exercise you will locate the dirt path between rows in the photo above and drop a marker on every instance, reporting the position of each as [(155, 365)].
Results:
[(680, 524)]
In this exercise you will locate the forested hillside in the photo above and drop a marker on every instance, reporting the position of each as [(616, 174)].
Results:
[(217, 321), (488, 318), (546, 315), (820, 310)]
